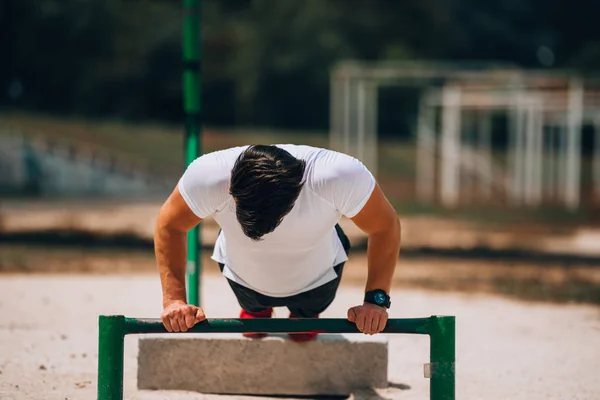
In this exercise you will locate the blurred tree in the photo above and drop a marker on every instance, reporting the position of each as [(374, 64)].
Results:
[(265, 62), (282, 59), (52, 48)]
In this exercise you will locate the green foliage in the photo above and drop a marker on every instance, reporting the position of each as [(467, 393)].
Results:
[(265, 62)]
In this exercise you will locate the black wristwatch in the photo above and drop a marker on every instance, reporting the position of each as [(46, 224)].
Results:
[(378, 297)]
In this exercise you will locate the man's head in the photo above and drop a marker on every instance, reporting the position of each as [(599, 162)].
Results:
[(265, 183)]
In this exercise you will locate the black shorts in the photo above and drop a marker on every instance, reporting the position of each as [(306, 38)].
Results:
[(307, 304)]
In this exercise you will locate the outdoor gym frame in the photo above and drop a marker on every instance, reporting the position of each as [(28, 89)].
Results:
[(441, 330)]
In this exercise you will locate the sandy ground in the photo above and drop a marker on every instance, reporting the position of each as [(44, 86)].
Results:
[(505, 349)]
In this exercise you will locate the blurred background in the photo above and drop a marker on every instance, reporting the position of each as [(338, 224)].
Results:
[(480, 119)]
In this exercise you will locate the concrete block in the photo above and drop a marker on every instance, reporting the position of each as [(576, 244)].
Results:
[(231, 364)]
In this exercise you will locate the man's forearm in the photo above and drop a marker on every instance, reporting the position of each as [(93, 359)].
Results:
[(382, 254), (170, 247)]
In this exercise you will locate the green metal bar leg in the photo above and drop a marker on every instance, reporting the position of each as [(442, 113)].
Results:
[(442, 334), (110, 357), (192, 104)]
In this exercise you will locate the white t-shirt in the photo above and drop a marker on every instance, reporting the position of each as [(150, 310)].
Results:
[(300, 253)]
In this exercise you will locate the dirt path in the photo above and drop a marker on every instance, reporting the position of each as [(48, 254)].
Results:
[(549, 281), (505, 349), (137, 218)]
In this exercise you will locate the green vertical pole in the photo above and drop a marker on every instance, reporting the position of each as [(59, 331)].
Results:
[(192, 86), (111, 333), (442, 347)]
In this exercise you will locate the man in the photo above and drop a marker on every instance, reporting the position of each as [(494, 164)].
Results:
[(280, 245)]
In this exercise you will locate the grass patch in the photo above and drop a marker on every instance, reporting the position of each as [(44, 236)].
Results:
[(160, 146), (496, 216), (154, 143)]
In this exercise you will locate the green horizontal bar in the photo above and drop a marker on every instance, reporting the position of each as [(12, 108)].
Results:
[(278, 325)]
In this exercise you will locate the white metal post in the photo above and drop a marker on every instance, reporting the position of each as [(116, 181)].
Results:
[(366, 124), (573, 167), (529, 156), (549, 159), (450, 150), (361, 112), (561, 159), (517, 143), (538, 142), (371, 139), (510, 181), (347, 115)]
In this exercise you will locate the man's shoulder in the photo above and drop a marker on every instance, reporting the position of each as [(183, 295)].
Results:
[(334, 165), (214, 168), (226, 155), (332, 173)]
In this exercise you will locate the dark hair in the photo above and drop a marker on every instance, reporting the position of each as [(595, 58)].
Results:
[(265, 183)]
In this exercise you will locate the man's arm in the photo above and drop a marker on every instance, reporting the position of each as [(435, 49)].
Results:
[(379, 220), (174, 220)]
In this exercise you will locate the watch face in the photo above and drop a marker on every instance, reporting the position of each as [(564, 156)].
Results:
[(379, 298)]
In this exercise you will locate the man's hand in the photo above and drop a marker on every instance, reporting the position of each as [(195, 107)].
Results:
[(369, 318), (179, 316)]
